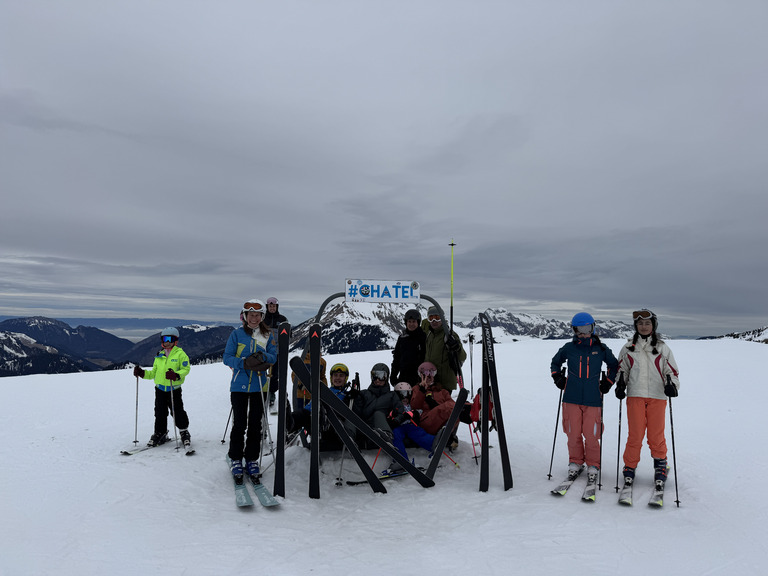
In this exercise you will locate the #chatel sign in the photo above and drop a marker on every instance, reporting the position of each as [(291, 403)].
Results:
[(381, 290)]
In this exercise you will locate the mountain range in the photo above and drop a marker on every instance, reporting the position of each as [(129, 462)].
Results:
[(36, 345)]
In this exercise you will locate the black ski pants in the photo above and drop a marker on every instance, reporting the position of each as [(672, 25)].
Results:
[(163, 407), (247, 414)]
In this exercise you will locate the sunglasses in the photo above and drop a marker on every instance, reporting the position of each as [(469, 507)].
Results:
[(642, 314), (428, 372), (379, 375), (169, 339), (252, 307), (434, 318)]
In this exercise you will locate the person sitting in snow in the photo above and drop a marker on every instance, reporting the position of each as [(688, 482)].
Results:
[(376, 402), (329, 440), (404, 421), (433, 402)]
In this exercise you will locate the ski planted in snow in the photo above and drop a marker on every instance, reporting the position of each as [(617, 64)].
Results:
[(491, 384), (242, 497), (283, 336), (567, 483), (385, 475), (143, 448)]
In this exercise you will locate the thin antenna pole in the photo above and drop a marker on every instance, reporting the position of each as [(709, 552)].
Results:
[(452, 244)]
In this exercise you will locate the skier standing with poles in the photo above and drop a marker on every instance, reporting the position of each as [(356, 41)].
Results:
[(650, 372), (250, 351), (169, 370), (583, 391)]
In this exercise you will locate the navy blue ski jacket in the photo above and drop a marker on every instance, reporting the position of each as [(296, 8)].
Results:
[(584, 357)]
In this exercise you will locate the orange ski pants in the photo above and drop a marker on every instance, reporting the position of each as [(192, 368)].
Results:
[(582, 426), (645, 415)]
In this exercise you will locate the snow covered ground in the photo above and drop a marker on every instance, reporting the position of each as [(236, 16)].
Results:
[(70, 504)]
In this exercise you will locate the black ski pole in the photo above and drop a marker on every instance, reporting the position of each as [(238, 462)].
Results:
[(227, 426), (674, 457), (136, 425), (471, 370), (557, 421), (619, 384), (600, 471)]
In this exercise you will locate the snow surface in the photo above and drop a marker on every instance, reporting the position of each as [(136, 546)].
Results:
[(70, 504)]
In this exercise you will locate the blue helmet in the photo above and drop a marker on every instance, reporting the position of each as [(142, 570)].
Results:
[(582, 319), (170, 332)]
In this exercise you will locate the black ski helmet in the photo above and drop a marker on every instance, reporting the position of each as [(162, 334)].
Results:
[(413, 314)]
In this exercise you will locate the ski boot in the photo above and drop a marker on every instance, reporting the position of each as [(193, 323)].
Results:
[(236, 467), (252, 468), (186, 438), (158, 438)]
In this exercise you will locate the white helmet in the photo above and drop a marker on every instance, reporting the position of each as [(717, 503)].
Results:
[(403, 389)]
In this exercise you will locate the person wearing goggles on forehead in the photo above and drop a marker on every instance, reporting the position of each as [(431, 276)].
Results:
[(443, 351), (648, 374), (409, 351), (169, 370), (404, 421), (376, 402), (250, 351), (583, 392), (273, 319), (434, 402)]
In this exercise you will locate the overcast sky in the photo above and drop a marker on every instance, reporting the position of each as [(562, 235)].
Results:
[(175, 158)]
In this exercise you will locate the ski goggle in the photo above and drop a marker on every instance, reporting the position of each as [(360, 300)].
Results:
[(252, 307), (428, 372), (379, 375), (642, 314), (403, 393), (434, 318), (167, 339), (271, 301), (586, 329)]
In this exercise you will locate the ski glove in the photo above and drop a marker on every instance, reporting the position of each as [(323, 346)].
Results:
[(453, 344), (431, 402), (353, 393), (621, 388), (560, 380), (172, 376), (255, 362), (670, 390), (138, 371), (605, 385)]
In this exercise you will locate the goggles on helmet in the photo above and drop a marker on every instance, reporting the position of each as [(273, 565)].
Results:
[(252, 307), (428, 372), (586, 329), (643, 314), (169, 339), (379, 375), (434, 318)]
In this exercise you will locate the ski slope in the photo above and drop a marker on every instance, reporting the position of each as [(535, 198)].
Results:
[(71, 505)]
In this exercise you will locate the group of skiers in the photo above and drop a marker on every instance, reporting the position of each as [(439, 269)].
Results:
[(646, 374), (424, 371)]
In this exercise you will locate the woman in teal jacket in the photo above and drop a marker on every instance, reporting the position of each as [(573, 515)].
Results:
[(250, 351)]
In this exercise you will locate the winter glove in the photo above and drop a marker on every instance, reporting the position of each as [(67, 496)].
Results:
[(415, 416), (605, 385), (670, 389), (466, 413), (138, 371), (560, 380), (431, 402), (255, 362), (621, 388), (172, 376), (453, 344), (353, 393)]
